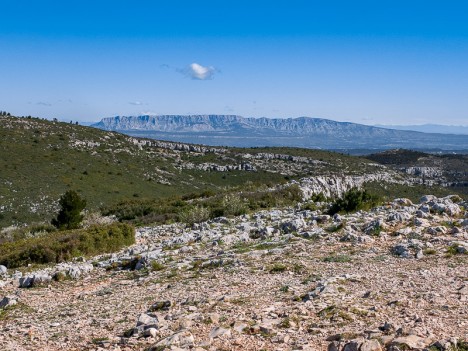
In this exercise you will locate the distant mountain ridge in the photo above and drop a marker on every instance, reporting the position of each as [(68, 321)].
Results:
[(234, 123), (429, 128), (233, 130)]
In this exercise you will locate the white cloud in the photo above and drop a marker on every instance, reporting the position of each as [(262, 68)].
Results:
[(148, 113), (199, 72), (136, 103), (42, 103)]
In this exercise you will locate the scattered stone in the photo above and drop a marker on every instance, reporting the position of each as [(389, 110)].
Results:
[(219, 331), (295, 310), (240, 326), (160, 306), (182, 339), (387, 327)]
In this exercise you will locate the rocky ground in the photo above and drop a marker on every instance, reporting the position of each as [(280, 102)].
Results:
[(393, 278)]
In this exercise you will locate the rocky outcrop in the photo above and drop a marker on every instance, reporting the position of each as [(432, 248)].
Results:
[(213, 167), (336, 186)]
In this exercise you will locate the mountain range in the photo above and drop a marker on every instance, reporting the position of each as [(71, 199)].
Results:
[(430, 128), (233, 130)]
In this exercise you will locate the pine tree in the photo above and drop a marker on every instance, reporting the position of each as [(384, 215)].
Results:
[(69, 216)]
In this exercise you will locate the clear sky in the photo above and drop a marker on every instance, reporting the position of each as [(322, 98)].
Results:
[(371, 62)]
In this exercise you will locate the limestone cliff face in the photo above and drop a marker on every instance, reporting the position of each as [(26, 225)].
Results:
[(173, 123), (234, 123), (332, 186)]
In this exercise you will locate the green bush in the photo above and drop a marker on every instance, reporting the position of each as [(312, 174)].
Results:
[(194, 215), (233, 205), (286, 196), (354, 200), (64, 245), (318, 197)]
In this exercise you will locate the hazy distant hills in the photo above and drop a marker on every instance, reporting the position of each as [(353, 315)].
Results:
[(430, 128), (232, 130)]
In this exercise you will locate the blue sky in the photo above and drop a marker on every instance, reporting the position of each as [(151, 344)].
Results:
[(371, 62)]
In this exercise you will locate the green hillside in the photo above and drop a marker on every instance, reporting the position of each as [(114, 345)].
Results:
[(133, 177), (41, 159)]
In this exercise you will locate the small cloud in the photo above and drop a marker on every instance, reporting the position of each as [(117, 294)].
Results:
[(148, 113), (198, 72), (43, 103), (136, 103)]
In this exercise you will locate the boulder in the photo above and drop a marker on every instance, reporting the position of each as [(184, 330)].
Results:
[(403, 202), (351, 346), (370, 345), (3, 270), (41, 280), (38, 279), (79, 270), (402, 250), (148, 321), (411, 342), (25, 282), (400, 216), (293, 226), (8, 301)]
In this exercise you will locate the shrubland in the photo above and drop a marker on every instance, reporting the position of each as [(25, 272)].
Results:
[(61, 246)]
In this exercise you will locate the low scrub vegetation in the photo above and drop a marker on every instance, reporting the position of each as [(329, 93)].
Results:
[(194, 215), (197, 208), (354, 200), (30, 231), (63, 245)]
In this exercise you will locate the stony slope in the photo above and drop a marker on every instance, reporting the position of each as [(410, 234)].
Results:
[(286, 279), (446, 170)]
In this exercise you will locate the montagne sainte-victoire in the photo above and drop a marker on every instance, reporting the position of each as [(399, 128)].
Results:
[(232, 130)]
